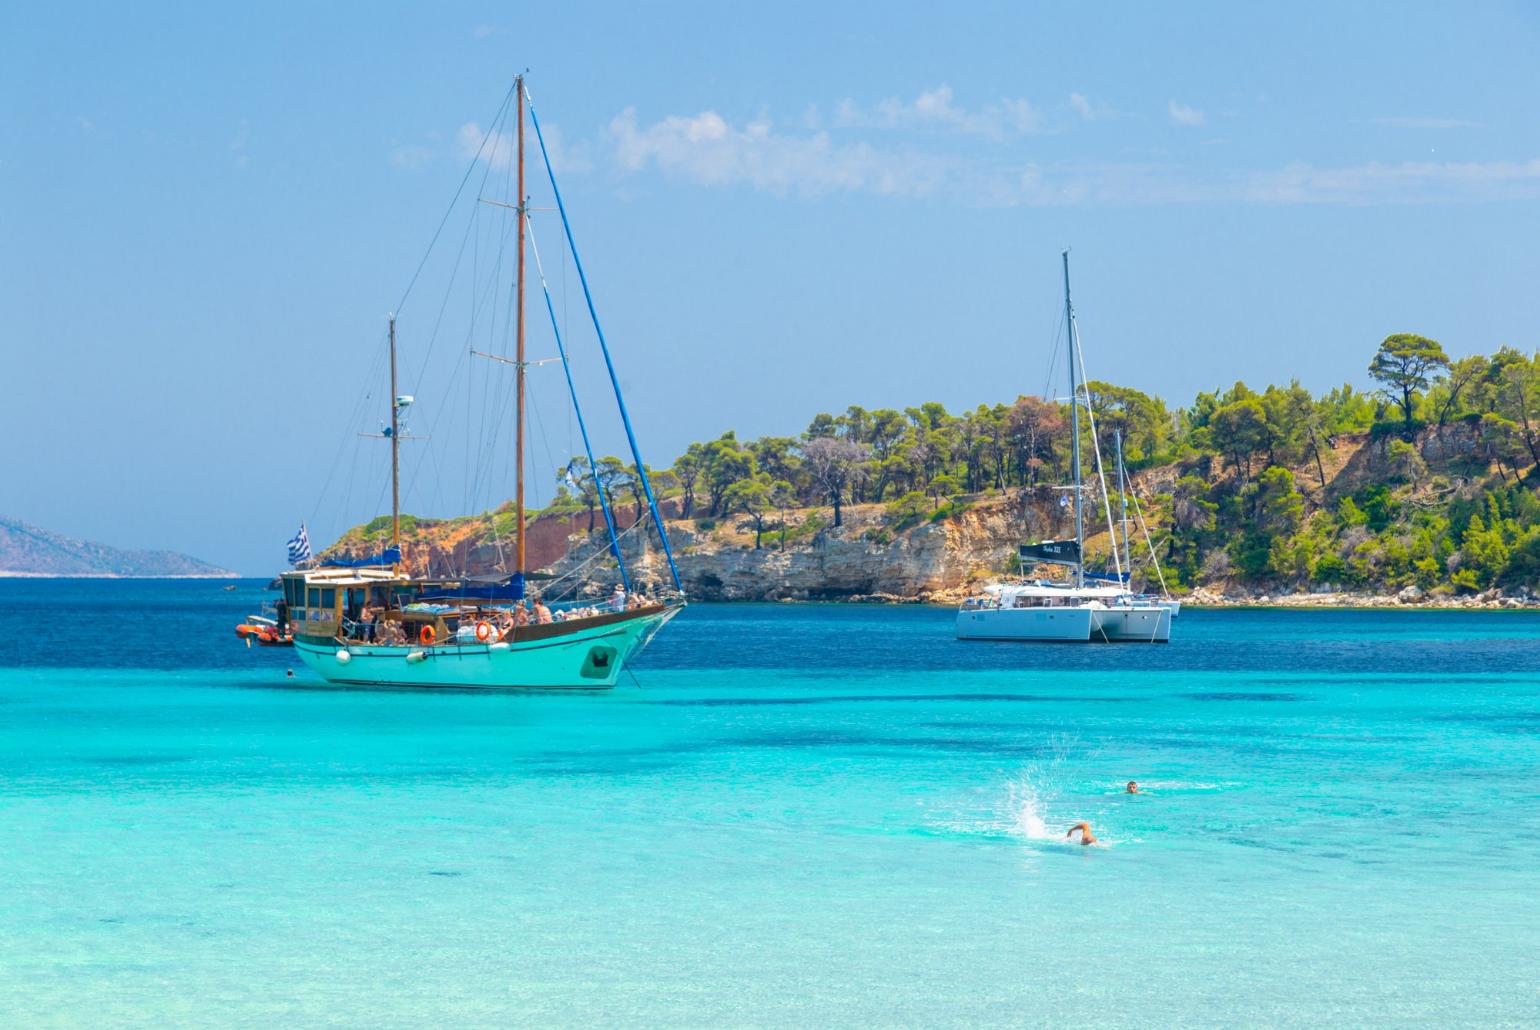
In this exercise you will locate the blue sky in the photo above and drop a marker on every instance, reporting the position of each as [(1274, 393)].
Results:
[(208, 214)]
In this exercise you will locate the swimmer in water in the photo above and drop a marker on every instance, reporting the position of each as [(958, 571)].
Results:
[(1133, 788), (1086, 836)]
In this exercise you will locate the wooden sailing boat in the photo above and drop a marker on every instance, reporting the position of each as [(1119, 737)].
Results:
[(365, 622)]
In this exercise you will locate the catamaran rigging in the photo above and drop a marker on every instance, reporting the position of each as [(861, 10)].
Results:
[(1074, 612)]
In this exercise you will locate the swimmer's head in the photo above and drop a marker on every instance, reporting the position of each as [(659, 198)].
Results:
[(1133, 787)]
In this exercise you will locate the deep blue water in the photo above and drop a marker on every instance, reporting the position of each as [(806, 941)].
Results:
[(795, 813)]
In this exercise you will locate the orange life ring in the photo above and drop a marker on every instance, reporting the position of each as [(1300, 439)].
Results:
[(483, 632), (427, 634)]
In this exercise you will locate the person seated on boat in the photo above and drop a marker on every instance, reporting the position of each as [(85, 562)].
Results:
[(542, 613), (520, 615)]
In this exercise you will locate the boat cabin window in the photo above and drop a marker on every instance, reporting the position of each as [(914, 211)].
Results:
[(294, 592)]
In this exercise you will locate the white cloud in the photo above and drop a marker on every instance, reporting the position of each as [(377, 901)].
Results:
[(707, 149), (937, 109), (1427, 123), (483, 31), (502, 146), (1409, 182), (410, 156), (1181, 114), (1082, 106)]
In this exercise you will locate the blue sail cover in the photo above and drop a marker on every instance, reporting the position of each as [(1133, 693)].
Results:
[(490, 588), (1107, 577), (389, 556)]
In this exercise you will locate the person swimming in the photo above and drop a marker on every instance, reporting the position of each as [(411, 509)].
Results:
[(1133, 788), (1086, 836)]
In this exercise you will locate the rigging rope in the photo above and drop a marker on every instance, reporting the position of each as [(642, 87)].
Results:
[(625, 418), (1154, 560), (566, 367), (1096, 449), (590, 560), (466, 178)]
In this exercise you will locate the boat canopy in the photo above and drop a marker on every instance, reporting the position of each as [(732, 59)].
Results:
[(1042, 588), (390, 556)]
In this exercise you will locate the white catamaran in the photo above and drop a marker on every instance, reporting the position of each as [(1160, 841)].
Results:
[(1071, 612), (365, 622)]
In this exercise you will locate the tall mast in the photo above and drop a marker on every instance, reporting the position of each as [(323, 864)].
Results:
[(395, 452), (1074, 426), (1128, 558), (518, 356)]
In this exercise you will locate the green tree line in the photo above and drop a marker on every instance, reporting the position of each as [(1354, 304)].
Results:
[(1250, 499)]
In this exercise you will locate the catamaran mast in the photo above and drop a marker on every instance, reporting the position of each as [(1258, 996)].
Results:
[(518, 356), (1074, 428), (1128, 556), (395, 453)]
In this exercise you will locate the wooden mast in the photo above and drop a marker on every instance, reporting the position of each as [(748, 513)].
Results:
[(519, 367), (395, 453)]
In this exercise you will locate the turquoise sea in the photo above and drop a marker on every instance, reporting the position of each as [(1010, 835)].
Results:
[(796, 814)]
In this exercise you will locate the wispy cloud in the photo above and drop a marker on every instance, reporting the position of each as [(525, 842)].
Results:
[(707, 149), (1081, 105), (1427, 123), (938, 109), (410, 156), (1409, 182), (483, 31), (1182, 114), (502, 146)]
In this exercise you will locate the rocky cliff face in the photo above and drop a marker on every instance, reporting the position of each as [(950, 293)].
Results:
[(867, 558)]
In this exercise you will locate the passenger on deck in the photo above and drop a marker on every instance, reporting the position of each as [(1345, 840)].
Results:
[(618, 599), (542, 613), (520, 615)]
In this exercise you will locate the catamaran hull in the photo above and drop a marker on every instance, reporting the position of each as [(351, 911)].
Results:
[(1147, 625), (1067, 625), (1144, 625), (586, 659)]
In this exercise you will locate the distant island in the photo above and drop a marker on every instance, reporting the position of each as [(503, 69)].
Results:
[(1421, 493), (27, 550)]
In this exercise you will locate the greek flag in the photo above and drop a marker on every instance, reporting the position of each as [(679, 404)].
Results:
[(570, 479), (299, 546)]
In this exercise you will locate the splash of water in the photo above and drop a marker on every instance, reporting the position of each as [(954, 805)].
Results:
[(1027, 811), (1031, 793)]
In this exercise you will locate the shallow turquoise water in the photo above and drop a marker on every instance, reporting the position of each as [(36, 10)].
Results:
[(808, 814)]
